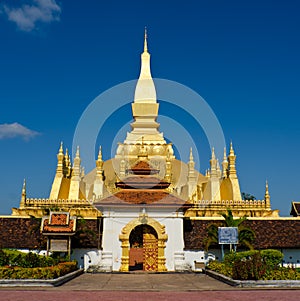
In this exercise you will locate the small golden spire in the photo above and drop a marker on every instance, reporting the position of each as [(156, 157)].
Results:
[(100, 153), (24, 187), (66, 164), (231, 159), (267, 196), (267, 188), (145, 40), (60, 154), (213, 163), (213, 156), (77, 152), (231, 149), (225, 164), (61, 149), (99, 163), (67, 158), (191, 155), (60, 160), (225, 155), (23, 197), (76, 164)]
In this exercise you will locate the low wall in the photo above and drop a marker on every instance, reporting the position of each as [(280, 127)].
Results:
[(254, 283)]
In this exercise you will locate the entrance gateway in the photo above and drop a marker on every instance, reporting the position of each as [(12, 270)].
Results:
[(143, 245)]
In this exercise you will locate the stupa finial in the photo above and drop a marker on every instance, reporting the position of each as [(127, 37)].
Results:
[(100, 153), (24, 187), (191, 155), (213, 155), (267, 196), (145, 40), (61, 148), (231, 149)]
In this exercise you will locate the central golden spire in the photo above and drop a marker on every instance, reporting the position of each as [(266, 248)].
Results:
[(145, 106), (145, 128), (145, 90)]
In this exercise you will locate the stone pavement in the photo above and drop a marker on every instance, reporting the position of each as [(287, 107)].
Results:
[(133, 286), (145, 282)]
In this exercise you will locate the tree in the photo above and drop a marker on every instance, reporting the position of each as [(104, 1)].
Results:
[(248, 196), (246, 235), (83, 233)]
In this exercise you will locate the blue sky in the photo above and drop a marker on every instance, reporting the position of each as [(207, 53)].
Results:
[(242, 57)]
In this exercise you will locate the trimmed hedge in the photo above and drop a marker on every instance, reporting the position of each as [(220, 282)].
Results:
[(25, 260), (282, 273), (38, 273), (17, 265), (255, 265), (220, 268), (272, 258)]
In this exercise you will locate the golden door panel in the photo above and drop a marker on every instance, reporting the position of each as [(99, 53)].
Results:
[(150, 253)]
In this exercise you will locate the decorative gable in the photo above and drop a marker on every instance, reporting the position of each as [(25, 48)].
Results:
[(58, 223)]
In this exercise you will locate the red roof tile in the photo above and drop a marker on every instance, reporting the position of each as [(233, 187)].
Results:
[(143, 168), (143, 182), (147, 197)]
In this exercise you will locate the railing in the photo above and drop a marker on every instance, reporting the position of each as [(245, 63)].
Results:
[(47, 202), (231, 203)]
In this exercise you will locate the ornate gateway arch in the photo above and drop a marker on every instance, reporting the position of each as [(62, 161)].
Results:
[(161, 237)]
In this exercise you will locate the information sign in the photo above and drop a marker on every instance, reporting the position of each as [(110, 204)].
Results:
[(228, 235)]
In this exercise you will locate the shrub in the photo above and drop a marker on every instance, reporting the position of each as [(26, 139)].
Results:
[(252, 264), (255, 265), (47, 261), (4, 260), (272, 258), (18, 265), (30, 260), (282, 273), (38, 273), (249, 268), (220, 267), (25, 260), (231, 257)]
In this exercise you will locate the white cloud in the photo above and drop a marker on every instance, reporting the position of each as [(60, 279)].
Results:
[(27, 16), (14, 130)]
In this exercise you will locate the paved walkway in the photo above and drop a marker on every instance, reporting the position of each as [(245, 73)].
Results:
[(145, 282), (107, 287)]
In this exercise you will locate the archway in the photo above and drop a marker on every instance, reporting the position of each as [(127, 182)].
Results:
[(154, 237), (143, 251)]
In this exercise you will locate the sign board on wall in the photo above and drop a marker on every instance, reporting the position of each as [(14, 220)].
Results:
[(59, 245), (228, 235)]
